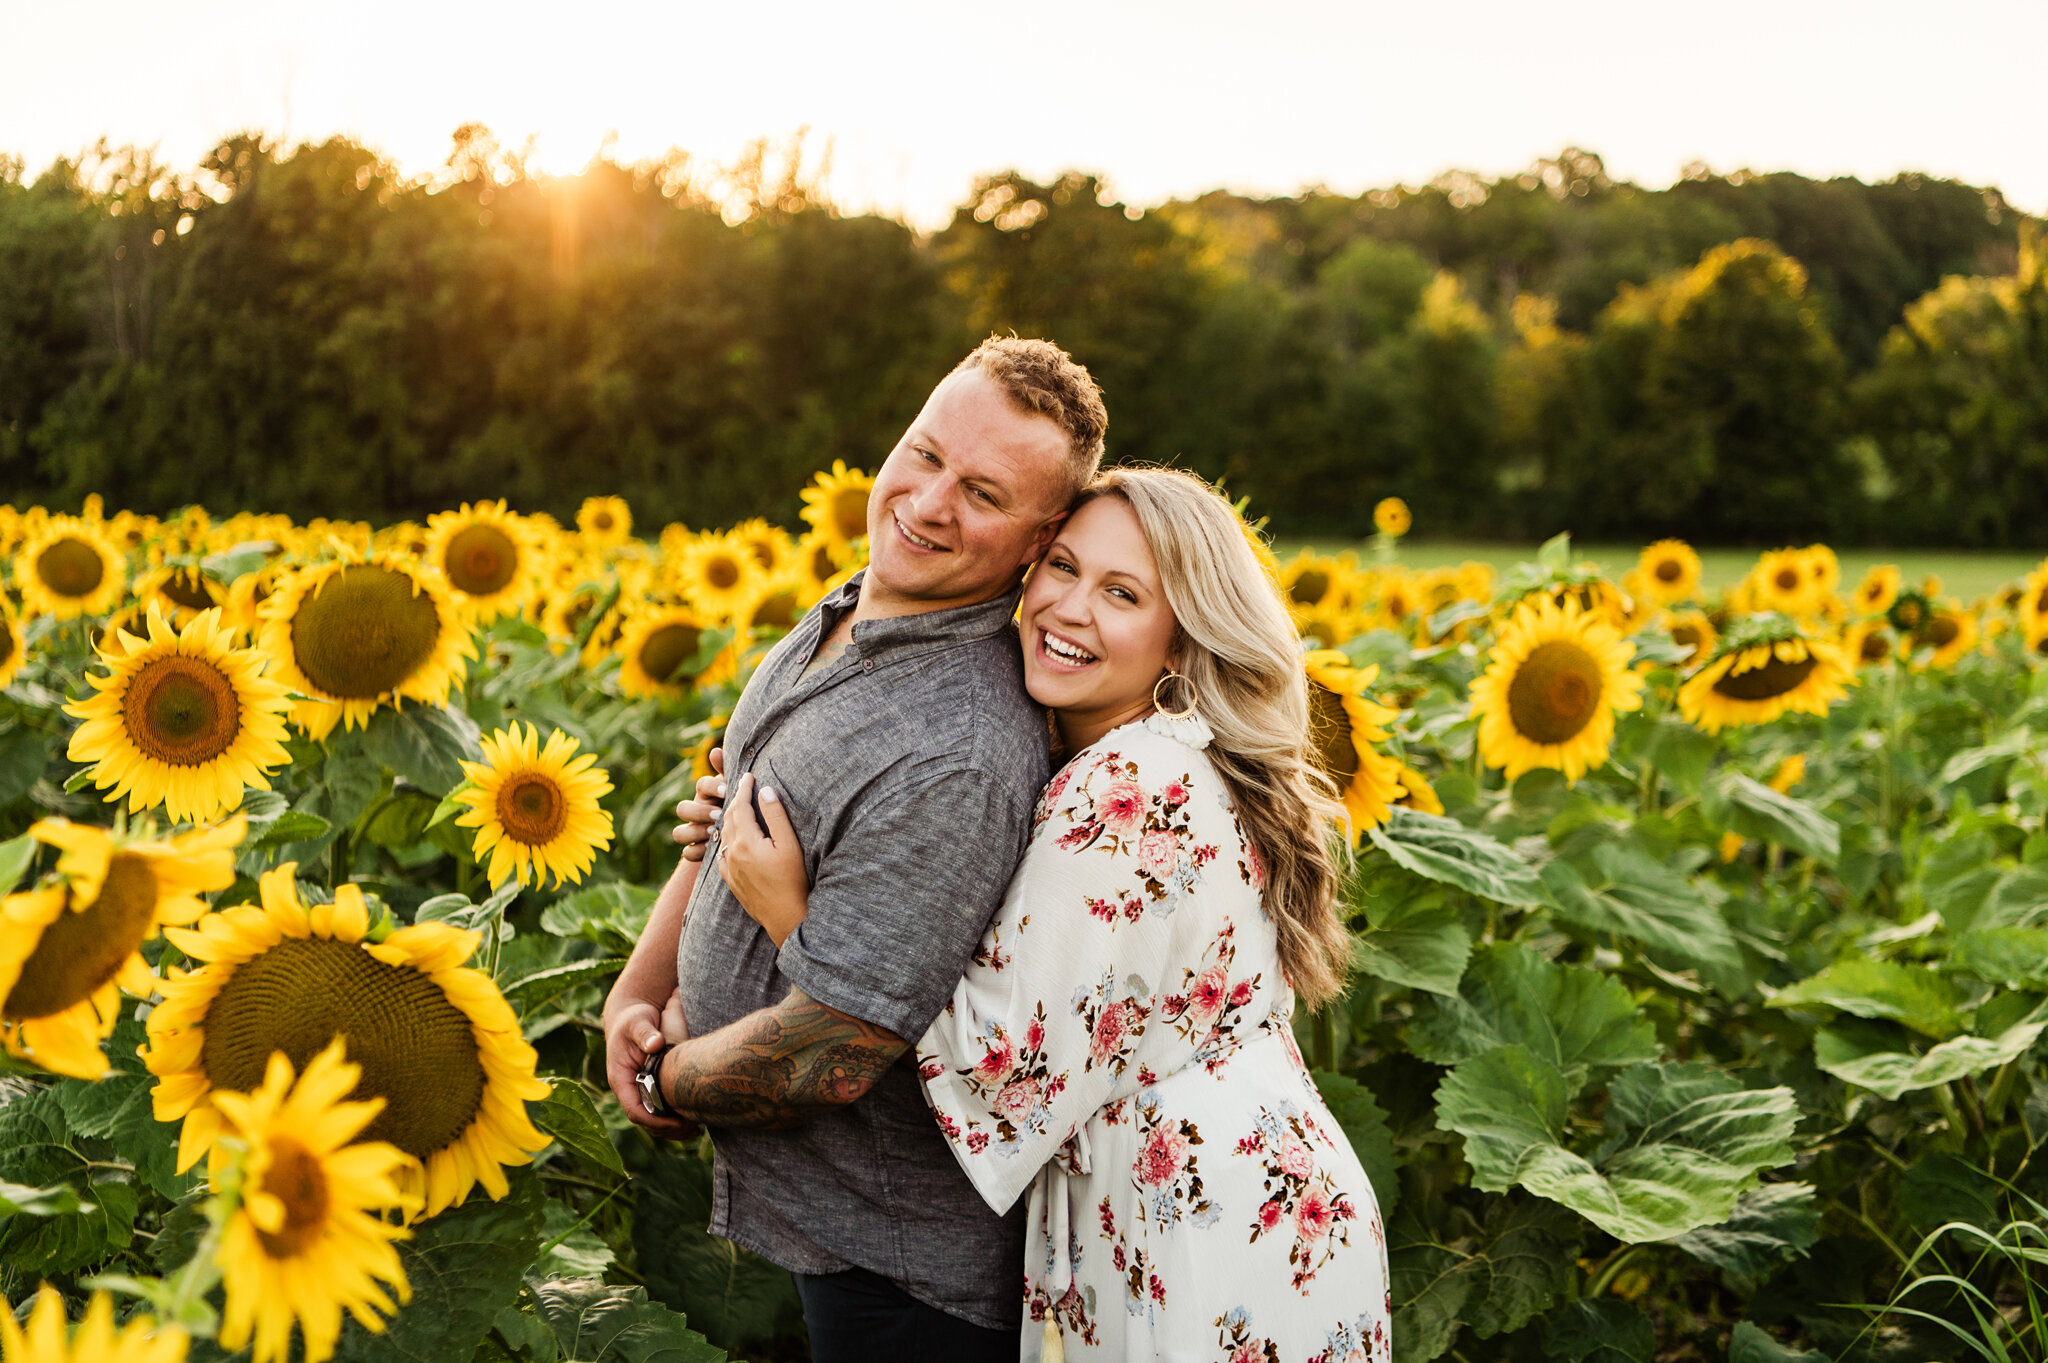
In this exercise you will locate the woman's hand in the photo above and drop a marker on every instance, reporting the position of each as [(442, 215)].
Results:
[(764, 870), (701, 815)]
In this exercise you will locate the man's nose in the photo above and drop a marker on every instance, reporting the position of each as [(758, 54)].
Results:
[(930, 501)]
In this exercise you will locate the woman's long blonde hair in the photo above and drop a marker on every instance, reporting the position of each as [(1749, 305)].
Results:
[(1242, 657)]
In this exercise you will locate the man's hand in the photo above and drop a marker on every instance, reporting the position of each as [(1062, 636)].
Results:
[(700, 816), (632, 1028)]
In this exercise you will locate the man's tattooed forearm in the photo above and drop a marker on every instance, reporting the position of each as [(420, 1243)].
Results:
[(777, 1067)]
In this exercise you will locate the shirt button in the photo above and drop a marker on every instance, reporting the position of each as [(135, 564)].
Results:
[(867, 664)]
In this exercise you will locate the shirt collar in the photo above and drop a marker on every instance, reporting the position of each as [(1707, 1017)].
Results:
[(903, 633)]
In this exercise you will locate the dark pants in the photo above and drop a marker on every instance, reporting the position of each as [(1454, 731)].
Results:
[(859, 1317)]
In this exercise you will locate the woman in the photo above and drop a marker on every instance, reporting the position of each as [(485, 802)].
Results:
[(1121, 1047)]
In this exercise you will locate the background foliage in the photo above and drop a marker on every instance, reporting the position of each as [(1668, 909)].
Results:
[(1741, 358)]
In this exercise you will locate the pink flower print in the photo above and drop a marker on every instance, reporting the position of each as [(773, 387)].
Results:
[(1158, 1290), (1103, 909), (1162, 1155), (1034, 1035), (1205, 854), (1111, 1030), (1258, 865), (1313, 1215), (999, 1060), (1158, 853), (977, 1141), (1246, 1352), (1241, 993), (1121, 808), (1269, 1214), (1176, 793), (1017, 1099), (931, 1067), (1295, 1159), (1134, 909), (1207, 996), (1058, 787)]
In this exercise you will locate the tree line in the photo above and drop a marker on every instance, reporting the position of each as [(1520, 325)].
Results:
[(1740, 358)]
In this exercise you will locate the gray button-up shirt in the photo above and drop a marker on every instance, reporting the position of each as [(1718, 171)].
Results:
[(909, 768)]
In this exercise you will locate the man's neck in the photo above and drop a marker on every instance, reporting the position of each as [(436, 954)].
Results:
[(879, 603)]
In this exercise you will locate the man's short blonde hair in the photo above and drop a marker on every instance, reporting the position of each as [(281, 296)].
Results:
[(1042, 378)]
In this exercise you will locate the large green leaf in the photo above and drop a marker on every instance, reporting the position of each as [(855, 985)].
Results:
[(598, 1322), (463, 1265), (1486, 1285), (24, 756), (1676, 750), (426, 744), (611, 913), (1749, 807), (1445, 850), (58, 1200), (1750, 1343), (1602, 1331), (118, 1109), (568, 1115), (1365, 1126), (1575, 1017), (1880, 1057), (1939, 1188), (739, 1300), (38, 1151), (1684, 1141), (2015, 957), (1772, 1224), (1921, 998), (1418, 940), (1634, 897), (529, 992)]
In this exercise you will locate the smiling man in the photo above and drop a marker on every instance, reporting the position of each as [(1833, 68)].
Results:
[(893, 724)]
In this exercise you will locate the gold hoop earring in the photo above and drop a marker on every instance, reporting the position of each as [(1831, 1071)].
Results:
[(1185, 713)]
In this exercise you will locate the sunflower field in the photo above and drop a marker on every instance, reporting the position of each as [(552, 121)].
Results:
[(1701, 942)]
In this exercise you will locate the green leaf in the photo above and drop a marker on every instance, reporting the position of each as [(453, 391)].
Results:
[(1556, 554), (1365, 1126), (1575, 1017), (24, 756), (118, 1108), (1519, 1267), (1602, 1331), (1772, 1224), (739, 1300), (1750, 1343), (2018, 743), (426, 744), (1643, 901), (568, 1115), (1877, 1056), (1412, 937), (542, 986), (1921, 998), (1674, 749), (2015, 957), (464, 1267), (611, 913), (291, 826), (571, 1249), (37, 1151), (1749, 807), (15, 856), (1685, 1141), (1938, 1188), (19, 1200), (237, 560), (1445, 850), (524, 1337), (596, 1322), (656, 802)]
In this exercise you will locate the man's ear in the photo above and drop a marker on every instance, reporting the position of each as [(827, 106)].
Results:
[(1042, 540)]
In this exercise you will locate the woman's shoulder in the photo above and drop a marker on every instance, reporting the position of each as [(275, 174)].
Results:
[(1142, 777)]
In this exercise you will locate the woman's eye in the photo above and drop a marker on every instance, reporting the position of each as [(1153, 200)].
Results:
[(1124, 594)]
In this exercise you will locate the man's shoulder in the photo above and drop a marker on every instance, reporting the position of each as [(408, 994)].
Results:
[(984, 714)]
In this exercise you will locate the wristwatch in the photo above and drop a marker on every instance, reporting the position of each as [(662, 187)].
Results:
[(649, 1080)]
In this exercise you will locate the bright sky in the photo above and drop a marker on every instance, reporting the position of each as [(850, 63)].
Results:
[(1164, 97)]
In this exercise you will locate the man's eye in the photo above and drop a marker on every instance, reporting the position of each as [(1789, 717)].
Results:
[(929, 456), (984, 496)]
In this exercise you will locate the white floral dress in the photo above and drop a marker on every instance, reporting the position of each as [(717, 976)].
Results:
[(1121, 1048)]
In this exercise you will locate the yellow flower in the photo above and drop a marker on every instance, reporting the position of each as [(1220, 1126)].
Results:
[(1670, 572), (1949, 633), (306, 1243), (1343, 725), (658, 649), (181, 592), (772, 547), (1417, 793), (1554, 682), (435, 1040), (1782, 581), (354, 636), (184, 720), (140, 1340), (1391, 517), (70, 568), (1877, 591), (1755, 683), (489, 557), (605, 522), (718, 574), (776, 603), (1823, 569), (1693, 630), (13, 648), (821, 565), (69, 945), (836, 505), (535, 809), (1869, 643)]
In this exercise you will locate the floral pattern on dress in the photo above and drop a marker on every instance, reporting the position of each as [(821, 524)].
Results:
[(1240, 1345), (1210, 1009), (1115, 1025), (1303, 1200), (1016, 1080), (1114, 813)]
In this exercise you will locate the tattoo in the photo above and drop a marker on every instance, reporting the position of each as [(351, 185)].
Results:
[(829, 652), (779, 1066)]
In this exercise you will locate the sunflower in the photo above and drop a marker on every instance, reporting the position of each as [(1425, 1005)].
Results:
[(1869, 643), (2033, 604), (1909, 611), (247, 593), (1782, 581), (1391, 517), (1398, 598), (1670, 572), (435, 1040), (139, 1340), (1757, 679), (659, 647), (718, 574), (777, 603), (183, 720), (1949, 633), (698, 754), (1555, 679), (489, 557), (836, 504), (70, 567), (1321, 595), (1416, 792), (181, 591), (307, 1241), (13, 647), (1823, 569), (772, 546), (70, 944), (1877, 591), (356, 635), (606, 522), (535, 809), (1343, 724), (1692, 630)]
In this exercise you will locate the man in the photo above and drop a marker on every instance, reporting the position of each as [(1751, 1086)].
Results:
[(893, 725)]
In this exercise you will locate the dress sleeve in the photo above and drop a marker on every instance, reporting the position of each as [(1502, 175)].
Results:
[(1049, 1018)]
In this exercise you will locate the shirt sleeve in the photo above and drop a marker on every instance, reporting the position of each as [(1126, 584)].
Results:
[(1047, 1022), (894, 913)]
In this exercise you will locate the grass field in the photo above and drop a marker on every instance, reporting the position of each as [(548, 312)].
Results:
[(1964, 573)]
